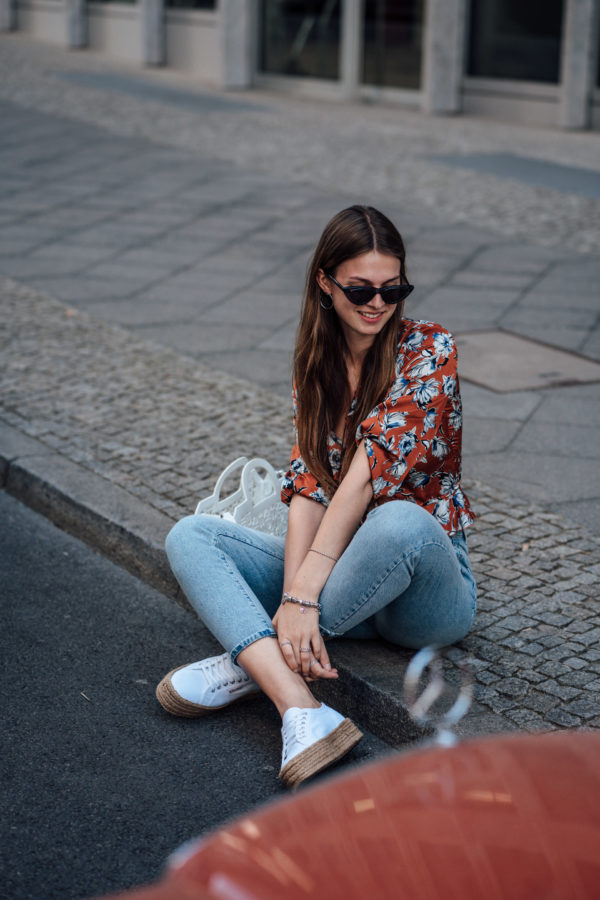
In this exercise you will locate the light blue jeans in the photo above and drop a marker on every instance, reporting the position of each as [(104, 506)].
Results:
[(400, 578)]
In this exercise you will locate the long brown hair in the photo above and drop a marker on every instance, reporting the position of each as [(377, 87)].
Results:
[(320, 373)]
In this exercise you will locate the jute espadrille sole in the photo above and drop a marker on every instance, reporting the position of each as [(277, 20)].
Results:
[(177, 705), (321, 754)]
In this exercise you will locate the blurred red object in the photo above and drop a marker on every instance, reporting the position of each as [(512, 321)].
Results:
[(504, 818)]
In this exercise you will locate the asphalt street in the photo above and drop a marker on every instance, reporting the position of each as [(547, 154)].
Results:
[(100, 785)]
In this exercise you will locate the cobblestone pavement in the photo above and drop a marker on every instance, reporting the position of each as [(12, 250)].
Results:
[(173, 238), (370, 149), (150, 420), (191, 223)]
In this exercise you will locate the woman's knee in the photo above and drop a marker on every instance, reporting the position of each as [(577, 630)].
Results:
[(399, 519), (188, 532)]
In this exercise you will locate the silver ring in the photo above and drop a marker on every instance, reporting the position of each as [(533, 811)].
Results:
[(313, 663), (283, 643), (305, 650)]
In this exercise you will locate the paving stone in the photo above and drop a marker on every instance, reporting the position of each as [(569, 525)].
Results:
[(527, 719), (492, 699), (531, 675), (576, 679), (567, 597), (558, 690), (563, 718), (495, 633), (562, 651), (578, 627), (486, 677), (587, 707), (518, 622), (574, 662), (557, 619), (593, 636), (513, 687), (540, 702), (553, 668)]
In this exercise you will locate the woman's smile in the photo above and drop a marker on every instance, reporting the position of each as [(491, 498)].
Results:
[(374, 316), (361, 324)]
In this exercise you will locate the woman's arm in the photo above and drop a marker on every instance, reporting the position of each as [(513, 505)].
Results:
[(307, 576), (304, 518)]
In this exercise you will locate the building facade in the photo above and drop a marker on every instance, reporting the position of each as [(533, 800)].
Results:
[(536, 61)]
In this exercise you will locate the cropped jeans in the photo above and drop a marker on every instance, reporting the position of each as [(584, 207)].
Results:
[(400, 578)]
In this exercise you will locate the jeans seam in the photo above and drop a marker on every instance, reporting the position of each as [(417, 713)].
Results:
[(253, 602), (243, 540), (385, 575)]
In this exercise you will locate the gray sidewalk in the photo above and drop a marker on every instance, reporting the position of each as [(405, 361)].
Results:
[(174, 238)]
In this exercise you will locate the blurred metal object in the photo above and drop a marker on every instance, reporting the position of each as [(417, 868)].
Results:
[(420, 705)]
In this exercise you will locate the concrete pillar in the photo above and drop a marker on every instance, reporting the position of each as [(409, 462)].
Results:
[(152, 24), (444, 51), (237, 35), (351, 45), (76, 23), (8, 15), (578, 62)]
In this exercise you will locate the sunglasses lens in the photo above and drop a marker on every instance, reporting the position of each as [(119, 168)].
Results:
[(359, 295), (396, 293)]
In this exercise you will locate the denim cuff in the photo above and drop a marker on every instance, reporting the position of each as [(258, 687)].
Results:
[(266, 632)]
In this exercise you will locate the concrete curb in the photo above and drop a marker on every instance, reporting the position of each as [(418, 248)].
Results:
[(131, 533)]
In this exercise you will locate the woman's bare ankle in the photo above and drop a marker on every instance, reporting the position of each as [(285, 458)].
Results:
[(301, 700), (264, 663)]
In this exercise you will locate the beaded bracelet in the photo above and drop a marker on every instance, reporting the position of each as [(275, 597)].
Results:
[(320, 552), (289, 598)]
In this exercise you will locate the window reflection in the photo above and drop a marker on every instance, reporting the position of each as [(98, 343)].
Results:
[(190, 4), (516, 40), (393, 38), (301, 38)]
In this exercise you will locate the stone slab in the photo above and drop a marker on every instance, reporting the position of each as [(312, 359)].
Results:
[(538, 172), (194, 101), (479, 402), (503, 362), (488, 435), (540, 477)]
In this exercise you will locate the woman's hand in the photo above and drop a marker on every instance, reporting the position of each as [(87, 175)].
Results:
[(301, 642)]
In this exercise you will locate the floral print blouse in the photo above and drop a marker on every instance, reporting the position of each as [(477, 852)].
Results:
[(412, 438)]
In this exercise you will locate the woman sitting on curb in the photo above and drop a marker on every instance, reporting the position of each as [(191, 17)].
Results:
[(375, 545)]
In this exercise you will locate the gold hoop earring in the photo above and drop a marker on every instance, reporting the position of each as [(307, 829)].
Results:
[(322, 305)]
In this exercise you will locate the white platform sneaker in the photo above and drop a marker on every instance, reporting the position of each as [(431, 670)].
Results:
[(201, 687), (312, 740)]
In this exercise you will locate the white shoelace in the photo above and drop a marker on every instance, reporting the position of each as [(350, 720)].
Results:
[(295, 729), (220, 672)]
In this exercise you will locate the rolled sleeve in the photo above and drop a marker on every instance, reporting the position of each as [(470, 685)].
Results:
[(298, 480)]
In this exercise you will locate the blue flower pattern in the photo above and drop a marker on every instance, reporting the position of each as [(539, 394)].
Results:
[(412, 438)]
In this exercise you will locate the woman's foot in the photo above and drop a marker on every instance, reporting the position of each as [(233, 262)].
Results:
[(312, 740), (201, 687)]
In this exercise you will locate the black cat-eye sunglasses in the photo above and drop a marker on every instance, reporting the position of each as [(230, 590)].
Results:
[(360, 294)]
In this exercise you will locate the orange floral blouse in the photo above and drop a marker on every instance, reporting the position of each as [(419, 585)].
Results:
[(412, 438)]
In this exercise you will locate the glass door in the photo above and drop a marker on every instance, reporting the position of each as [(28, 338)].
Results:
[(392, 43), (301, 38), (516, 40)]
